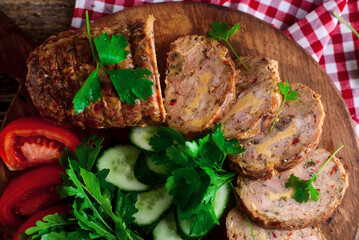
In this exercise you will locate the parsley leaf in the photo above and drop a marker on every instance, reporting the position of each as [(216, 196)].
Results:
[(231, 146), (223, 32), (303, 189), (195, 172), (89, 92), (111, 50), (287, 95), (131, 84), (188, 186)]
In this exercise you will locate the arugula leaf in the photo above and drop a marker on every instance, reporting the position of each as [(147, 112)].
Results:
[(303, 189), (50, 223), (93, 215), (111, 50), (89, 92), (223, 32), (131, 84), (287, 95)]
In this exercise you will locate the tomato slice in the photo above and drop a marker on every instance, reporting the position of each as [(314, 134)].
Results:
[(30, 141), (31, 222), (29, 193)]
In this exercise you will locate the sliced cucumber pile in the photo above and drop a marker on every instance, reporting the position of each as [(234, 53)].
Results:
[(166, 229), (152, 205), (146, 175), (219, 205), (120, 160), (140, 136)]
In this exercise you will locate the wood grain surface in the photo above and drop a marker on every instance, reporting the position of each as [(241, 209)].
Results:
[(176, 19), (40, 18)]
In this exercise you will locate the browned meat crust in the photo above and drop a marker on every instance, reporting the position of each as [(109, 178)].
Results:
[(257, 98), (200, 84), (297, 131), (270, 203), (61, 65), (238, 229)]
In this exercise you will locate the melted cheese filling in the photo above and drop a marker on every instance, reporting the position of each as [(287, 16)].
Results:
[(264, 148), (201, 92), (281, 195), (247, 101)]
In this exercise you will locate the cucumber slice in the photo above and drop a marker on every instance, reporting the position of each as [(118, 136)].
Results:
[(144, 174), (140, 136), (120, 160), (160, 169), (152, 205), (166, 229), (221, 200), (219, 205)]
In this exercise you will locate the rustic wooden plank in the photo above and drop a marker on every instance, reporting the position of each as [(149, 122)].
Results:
[(257, 38), (40, 18)]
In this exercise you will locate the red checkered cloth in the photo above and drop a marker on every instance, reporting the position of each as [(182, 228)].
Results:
[(309, 22)]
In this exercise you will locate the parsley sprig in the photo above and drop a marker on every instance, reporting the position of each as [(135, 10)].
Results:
[(222, 31), (130, 84), (304, 188), (287, 95), (195, 172), (93, 215)]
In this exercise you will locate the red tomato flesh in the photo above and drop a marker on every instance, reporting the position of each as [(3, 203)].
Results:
[(29, 193), (31, 222), (30, 141)]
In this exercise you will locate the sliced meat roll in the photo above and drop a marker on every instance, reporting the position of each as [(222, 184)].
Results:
[(297, 131), (200, 84), (60, 66), (271, 204), (238, 229), (257, 98)]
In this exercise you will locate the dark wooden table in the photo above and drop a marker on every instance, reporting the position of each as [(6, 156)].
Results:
[(39, 19)]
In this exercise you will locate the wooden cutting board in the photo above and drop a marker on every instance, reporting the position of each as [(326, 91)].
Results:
[(176, 19)]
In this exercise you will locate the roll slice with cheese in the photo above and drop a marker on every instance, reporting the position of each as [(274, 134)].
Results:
[(297, 131), (257, 98), (238, 228), (200, 84), (271, 204)]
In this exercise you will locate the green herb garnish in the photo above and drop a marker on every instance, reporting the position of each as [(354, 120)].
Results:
[(250, 225), (99, 209), (346, 23), (195, 172), (304, 188), (130, 84), (287, 95), (222, 31)]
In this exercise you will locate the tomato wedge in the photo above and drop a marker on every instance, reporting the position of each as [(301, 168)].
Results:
[(31, 222), (29, 193), (30, 141)]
